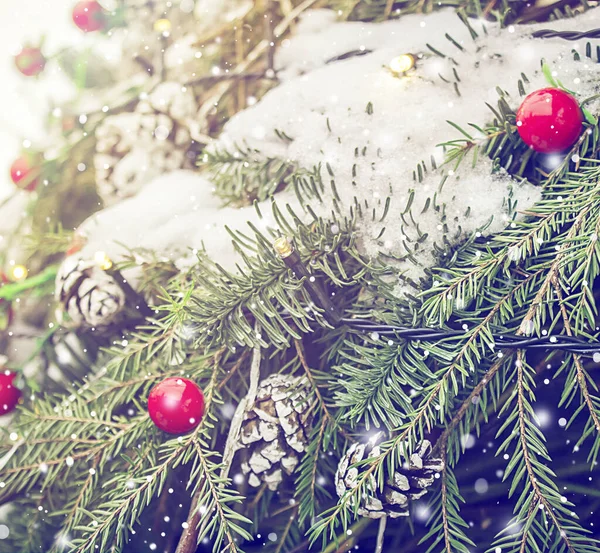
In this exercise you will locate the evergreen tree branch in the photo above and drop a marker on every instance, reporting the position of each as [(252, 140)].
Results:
[(75, 512), (525, 441), (590, 402), (218, 501), (323, 406), (543, 519), (444, 493)]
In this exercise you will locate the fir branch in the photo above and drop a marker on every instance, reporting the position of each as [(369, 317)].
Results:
[(315, 387), (226, 523), (230, 303), (210, 491), (121, 510), (24, 472), (129, 492), (529, 449), (592, 403), (244, 176), (540, 501), (307, 489), (75, 511), (323, 435), (446, 524)]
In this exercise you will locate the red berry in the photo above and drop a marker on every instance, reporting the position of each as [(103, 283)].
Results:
[(30, 61), (9, 393), (549, 120), (24, 175), (176, 405), (89, 16)]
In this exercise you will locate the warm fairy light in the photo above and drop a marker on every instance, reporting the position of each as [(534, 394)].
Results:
[(19, 272), (103, 261), (401, 64), (283, 247), (162, 26)]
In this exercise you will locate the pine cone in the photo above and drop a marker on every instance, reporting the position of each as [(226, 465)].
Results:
[(88, 295), (135, 147), (408, 482), (275, 429)]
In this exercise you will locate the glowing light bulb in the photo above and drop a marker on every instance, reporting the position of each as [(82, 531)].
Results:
[(19, 272), (103, 261), (401, 64), (162, 26), (283, 246)]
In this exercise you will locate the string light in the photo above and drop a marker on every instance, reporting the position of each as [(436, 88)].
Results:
[(290, 256), (103, 261), (283, 246), (401, 64), (19, 272), (162, 26)]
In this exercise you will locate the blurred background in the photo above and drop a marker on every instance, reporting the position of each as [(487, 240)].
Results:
[(23, 105)]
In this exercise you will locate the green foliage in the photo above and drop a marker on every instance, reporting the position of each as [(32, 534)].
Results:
[(244, 175), (544, 519), (447, 527), (504, 11), (94, 456)]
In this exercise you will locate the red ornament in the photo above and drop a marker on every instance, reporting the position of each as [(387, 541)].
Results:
[(30, 61), (9, 393), (176, 405), (549, 120), (24, 174), (89, 16)]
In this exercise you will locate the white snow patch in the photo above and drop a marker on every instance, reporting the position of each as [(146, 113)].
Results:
[(408, 120), (171, 215)]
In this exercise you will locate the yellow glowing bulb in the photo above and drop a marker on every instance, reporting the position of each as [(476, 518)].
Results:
[(19, 272), (283, 247), (162, 26), (402, 64), (103, 261)]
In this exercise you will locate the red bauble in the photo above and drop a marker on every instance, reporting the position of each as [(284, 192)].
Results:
[(176, 405), (24, 174), (89, 16), (30, 61), (549, 120), (9, 393)]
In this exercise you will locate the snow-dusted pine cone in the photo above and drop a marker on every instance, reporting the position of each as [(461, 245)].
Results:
[(409, 482), (134, 147), (275, 429), (88, 295)]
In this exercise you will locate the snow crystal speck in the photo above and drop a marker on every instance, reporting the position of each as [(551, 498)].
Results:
[(481, 485)]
